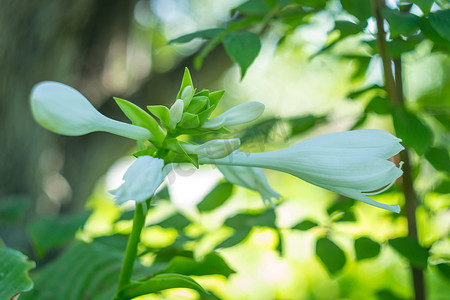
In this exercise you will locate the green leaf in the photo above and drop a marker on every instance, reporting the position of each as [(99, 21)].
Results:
[(215, 198), (243, 47), (359, 8), (401, 22), (302, 124), (214, 97), (366, 248), (355, 94), (211, 264), (187, 80), (347, 28), (48, 233), (443, 187), (253, 8), (434, 35), (440, 20), (161, 112), (177, 221), (411, 250), (197, 104), (387, 295), (439, 158), (13, 208), (444, 270), (331, 256), (312, 3), (140, 118), (379, 105), (203, 34), (14, 267), (189, 121), (158, 283), (343, 205), (204, 115), (414, 132), (359, 122), (305, 225), (424, 5)]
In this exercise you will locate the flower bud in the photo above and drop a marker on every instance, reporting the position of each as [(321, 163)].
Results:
[(62, 109), (239, 114), (175, 113), (213, 149), (187, 95)]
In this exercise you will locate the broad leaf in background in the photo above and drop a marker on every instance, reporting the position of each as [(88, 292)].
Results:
[(414, 132), (203, 34), (253, 8), (359, 8), (387, 295), (330, 254), (158, 283), (411, 250), (439, 159), (215, 198), (366, 248), (401, 22), (14, 267), (444, 270), (242, 47), (305, 225), (49, 233), (424, 5), (440, 20)]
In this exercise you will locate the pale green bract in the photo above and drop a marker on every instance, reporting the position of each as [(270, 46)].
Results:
[(62, 109), (350, 163), (239, 114), (214, 148)]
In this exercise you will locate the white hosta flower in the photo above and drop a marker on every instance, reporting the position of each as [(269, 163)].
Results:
[(141, 180), (351, 163), (250, 178), (239, 114), (214, 148), (62, 109), (175, 113)]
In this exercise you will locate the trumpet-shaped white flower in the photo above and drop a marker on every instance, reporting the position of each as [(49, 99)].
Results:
[(64, 110), (141, 180), (250, 178), (175, 113), (239, 114), (351, 163), (214, 148)]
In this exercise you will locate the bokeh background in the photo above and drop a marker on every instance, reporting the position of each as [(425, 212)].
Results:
[(120, 48)]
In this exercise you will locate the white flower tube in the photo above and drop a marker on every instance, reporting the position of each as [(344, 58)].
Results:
[(351, 163), (239, 114), (175, 113), (214, 148), (250, 178), (62, 109), (142, 179)]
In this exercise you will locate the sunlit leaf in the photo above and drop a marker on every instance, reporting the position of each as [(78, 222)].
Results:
[(204, 34), (177, 221), (161, 112), (366, 248), (330, 254), (411, 250), (401, 22), (14, 267), (243, 47), (158, 283), (424, 5), (215, 198), (362, 9), (305, 225), (253, 8)]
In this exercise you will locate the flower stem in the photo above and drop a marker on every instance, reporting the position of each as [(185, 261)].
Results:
[(394, 88), (131, 251)]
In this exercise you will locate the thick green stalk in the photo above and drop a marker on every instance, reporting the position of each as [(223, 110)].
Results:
[(131, 251), (394, 88)]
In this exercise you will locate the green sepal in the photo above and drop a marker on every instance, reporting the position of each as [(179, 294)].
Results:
[(189, 121), (174, 145), (148, 151), (202, 93), (187, 80), (161, 112), (197, 104), (158, 283), (141, 118), (214, 97), (204, 115)]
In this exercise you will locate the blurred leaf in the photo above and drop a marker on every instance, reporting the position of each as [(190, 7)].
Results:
[(302, 124), (311, 3), (359, 122), (343, 204), (83, 271), (343, 216), (425, 5), (211, 264), (204, 34), (414, 132), (253, 8), (432, 34), (243, 47), (443, 119), (387, 295), (158, 283), (401, 22), (13, 207), (379, 105), (439, 158), (260, 130), (14, 267), (440, 20), (243, 224), (215, 198), (355, 94), (444, 270), (48, 233), (443, 187), (366, 248), (332, 257), (305, 225), (397, 47), (362, 9), (411, 250), (177, 221)]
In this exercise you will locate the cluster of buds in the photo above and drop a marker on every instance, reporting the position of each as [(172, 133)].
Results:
[(352, 163)]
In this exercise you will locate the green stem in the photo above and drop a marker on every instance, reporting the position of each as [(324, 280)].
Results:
[(131, 251), (394, 88)]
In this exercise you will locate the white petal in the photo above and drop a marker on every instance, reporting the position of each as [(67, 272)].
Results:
[(239, 114), (176, 113), (214, 148)]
